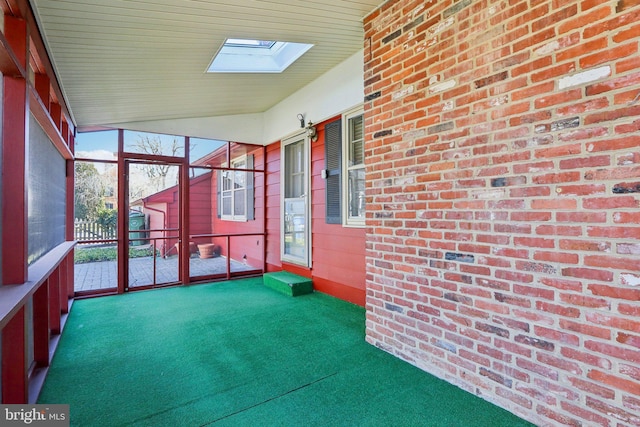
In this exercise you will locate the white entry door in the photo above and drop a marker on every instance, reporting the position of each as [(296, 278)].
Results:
[(296, 199)]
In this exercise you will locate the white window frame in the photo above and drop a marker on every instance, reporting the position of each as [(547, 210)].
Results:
[(233, 172), (347, 220), (305, 261), (243, 56)]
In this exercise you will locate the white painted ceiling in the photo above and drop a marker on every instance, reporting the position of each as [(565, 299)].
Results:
[(122, 61)]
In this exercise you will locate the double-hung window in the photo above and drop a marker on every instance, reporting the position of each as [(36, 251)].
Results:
[(354, 195), (236, 190), (345, 170)]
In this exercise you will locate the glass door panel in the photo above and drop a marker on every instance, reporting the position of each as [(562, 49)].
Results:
[(296, 225), (295, 244)]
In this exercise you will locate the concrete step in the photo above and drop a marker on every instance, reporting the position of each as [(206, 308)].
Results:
[(288, 283)]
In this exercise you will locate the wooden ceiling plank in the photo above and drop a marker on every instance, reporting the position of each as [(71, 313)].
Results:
[(120, 61)]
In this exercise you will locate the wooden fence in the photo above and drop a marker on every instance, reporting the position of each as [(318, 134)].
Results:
[(90, 230)]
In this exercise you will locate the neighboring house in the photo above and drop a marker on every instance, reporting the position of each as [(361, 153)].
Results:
[(162, 213)]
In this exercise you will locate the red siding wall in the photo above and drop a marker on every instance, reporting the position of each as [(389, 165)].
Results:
[(338, 253), (503, 172), (167, 201), (200, 199), (156, 220), (203, 217), (251, 247)]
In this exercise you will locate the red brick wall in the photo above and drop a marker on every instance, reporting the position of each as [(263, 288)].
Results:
[(503, 246)]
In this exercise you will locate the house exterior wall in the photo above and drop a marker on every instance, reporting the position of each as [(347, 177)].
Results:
[(248, 248), (201, 194), (156, 219), (162, 210), (338, 252), (503, 171)]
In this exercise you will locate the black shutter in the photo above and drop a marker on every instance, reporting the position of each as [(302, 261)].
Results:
[(333, 166)]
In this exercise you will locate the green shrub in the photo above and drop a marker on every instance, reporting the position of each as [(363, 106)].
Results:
[(85, 255)]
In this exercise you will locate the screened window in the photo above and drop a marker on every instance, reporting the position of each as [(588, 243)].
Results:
[(47, 193), (354, 176)]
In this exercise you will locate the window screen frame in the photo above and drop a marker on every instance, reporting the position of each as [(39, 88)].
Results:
[(234, 170), (347, 139)]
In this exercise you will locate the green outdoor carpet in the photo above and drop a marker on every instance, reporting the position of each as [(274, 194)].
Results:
[(240, 354)]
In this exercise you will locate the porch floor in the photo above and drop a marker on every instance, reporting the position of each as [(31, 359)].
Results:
[(237, 353)]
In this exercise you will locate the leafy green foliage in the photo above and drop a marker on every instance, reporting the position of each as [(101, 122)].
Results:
[(89, 191), (108, 220), (85, 255)]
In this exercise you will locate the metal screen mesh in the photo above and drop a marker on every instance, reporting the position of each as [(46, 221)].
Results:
[(46, 193)]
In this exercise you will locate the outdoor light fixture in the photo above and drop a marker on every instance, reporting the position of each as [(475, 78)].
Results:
[(311, 132), (301, 118)]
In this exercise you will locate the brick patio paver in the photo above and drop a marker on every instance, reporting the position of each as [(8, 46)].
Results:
[(104, 274)]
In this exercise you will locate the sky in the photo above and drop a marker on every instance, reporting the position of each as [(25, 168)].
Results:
[(102, 145)]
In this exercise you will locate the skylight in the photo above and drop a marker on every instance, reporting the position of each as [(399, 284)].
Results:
[(256, 56), (264, 44)]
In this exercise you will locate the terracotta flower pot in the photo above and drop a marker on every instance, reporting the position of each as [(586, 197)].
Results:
[(209, 250)]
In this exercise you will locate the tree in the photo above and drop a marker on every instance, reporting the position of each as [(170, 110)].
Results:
[(89, 191), (156, 172), (108, 220)]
